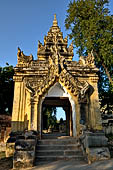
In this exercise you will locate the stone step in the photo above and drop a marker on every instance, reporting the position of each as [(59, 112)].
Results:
[(55, 158), (54, 136), (57, 141), (58, 153), (58, 147)]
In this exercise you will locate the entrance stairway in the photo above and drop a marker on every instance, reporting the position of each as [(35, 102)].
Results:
[(58, 148)]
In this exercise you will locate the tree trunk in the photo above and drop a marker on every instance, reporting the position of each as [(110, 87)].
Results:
[(107, 73), (106, 70)]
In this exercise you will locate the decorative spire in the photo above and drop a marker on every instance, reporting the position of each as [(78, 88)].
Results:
[(55, 21)]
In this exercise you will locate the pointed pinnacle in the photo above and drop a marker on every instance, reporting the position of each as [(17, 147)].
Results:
[(55, 21)]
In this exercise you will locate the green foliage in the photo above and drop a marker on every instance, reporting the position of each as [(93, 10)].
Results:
[(91, 27), (110, 137), (49, 117), (6, 89), (105, 93)]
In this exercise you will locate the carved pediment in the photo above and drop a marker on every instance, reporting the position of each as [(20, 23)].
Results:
[(59, 73)]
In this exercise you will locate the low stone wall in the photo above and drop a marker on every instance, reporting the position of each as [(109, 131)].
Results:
[(5, 127), (21, 145), (108, 129), (107, 123), (24, 149), (95, 146), (10, 144), (24, 154)]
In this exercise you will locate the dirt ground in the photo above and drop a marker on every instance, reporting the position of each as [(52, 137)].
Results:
[(74, 165), (5, 163)]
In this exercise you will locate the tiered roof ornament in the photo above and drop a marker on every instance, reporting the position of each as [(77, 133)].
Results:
[(54, 43), (56, 57)]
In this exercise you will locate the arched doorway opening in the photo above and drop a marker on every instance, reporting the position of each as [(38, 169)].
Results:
[(61, 119), (54, 119), (56, 97), (50, 123)]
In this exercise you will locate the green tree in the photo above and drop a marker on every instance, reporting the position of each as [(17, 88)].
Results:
[(49, 117), (105, 93), (91, 27), (6, 89)]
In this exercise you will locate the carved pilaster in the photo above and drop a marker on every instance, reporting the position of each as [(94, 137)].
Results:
[(16, 106), (95, 116), (34, 111)]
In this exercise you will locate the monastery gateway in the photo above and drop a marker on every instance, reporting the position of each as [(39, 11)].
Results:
[(54, 79)]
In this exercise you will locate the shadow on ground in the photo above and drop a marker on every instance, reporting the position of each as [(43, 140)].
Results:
[(6, 164), (74, 165)]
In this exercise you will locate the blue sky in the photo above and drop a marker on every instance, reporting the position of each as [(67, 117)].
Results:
[(24, 22), (60, 113)]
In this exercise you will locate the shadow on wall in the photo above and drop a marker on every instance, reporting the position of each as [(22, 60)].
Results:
[(91, 90)]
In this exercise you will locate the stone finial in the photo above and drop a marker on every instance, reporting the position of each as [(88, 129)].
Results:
[(55, 21), (19, 52)]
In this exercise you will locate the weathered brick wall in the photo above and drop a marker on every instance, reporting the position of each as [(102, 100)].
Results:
[(5, 127)]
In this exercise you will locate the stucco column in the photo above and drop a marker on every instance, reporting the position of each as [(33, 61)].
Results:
[(74, 115), (77, 116), (35, 104), (21, 113), (32, 115), (27, 116), (95, 117), (39, 115)]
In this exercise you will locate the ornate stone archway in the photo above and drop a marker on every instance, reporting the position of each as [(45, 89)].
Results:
[(61, 93), (33, 79)]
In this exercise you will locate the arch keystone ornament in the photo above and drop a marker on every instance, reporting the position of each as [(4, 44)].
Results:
[(54, 64)]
